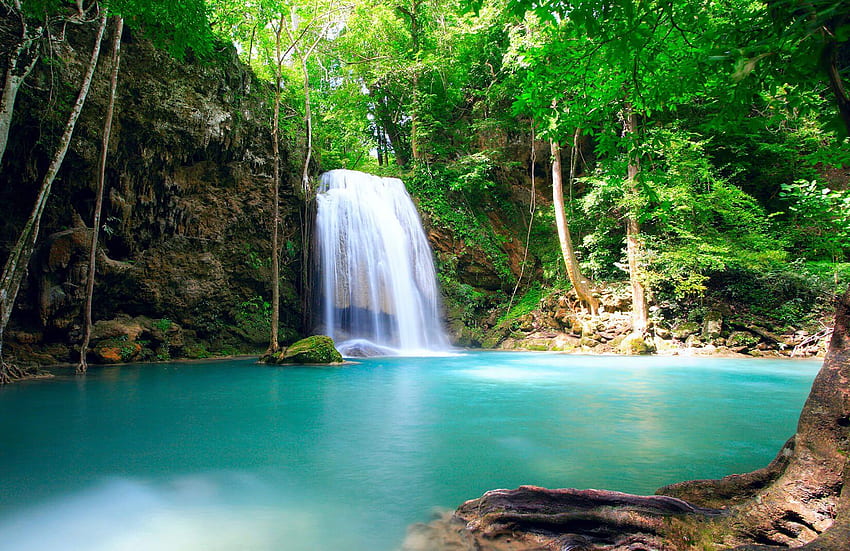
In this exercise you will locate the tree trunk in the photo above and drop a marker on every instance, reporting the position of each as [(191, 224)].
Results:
[(308, 125), (414, 121), (308, 116), (413, 15), (388, 119), (379, 147), (836, 84), (803, 497), (634, 248), (579, 282), (19, 257), (101, 185), (15, 75), (415, 149), (274, 345)]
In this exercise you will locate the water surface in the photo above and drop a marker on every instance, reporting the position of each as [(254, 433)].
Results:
[(233, 455)]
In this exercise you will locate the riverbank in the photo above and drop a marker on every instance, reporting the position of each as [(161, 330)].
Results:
[(555, 322)]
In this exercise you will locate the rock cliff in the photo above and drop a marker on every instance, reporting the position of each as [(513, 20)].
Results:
[(186, 217)]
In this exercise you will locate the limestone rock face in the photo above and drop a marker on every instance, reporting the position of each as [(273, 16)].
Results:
[(187, 210)]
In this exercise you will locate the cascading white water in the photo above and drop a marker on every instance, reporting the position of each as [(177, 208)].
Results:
[(376, 279)]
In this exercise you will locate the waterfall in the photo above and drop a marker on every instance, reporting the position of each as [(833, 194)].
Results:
[(377, 287)]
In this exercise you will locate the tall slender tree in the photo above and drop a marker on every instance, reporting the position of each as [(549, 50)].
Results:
[(19, 257), (578, 281), (279, 56), (303, 45), (101, 185), (412, 14), (20, 60)]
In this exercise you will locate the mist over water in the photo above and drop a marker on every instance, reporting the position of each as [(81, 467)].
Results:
[(237, 456)]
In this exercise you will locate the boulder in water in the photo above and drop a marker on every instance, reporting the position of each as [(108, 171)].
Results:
[(636, 344), (318, 349)]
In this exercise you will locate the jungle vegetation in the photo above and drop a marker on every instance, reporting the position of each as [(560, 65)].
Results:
[(704, 143), (687, 147)]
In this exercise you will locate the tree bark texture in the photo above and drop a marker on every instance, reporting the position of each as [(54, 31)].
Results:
[(19, 257), (101, 186), (579, 282), (308, 124), (393, 136), (809, 502)]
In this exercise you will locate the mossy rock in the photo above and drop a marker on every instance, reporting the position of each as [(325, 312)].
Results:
[(318, 349), (712, 325), (113, 351), (741, 339), (665, 346), (636, 345), (694, 341), (684, 330)]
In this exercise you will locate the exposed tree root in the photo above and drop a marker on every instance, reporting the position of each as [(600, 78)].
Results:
[(10, 372), (801, 500)]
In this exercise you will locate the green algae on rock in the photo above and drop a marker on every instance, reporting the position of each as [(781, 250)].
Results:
[(318, 349)]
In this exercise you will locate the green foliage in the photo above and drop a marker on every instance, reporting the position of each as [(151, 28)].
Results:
[(450, 210), (733, 153), (127, 349), (819, 220), (789, 293), (544, 246), (836, 273), (255, 259), (254, 318), (163, 324), (526, 304), (696, 224), (177, 27), (473, 173), (464, 301), (196, 351)]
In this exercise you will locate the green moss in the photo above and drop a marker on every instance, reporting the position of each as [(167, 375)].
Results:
[(683, 330), (318, 349), (196, 351), (525, 305), (741, 338), (118, 349), (537, 347), (636, 345)]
